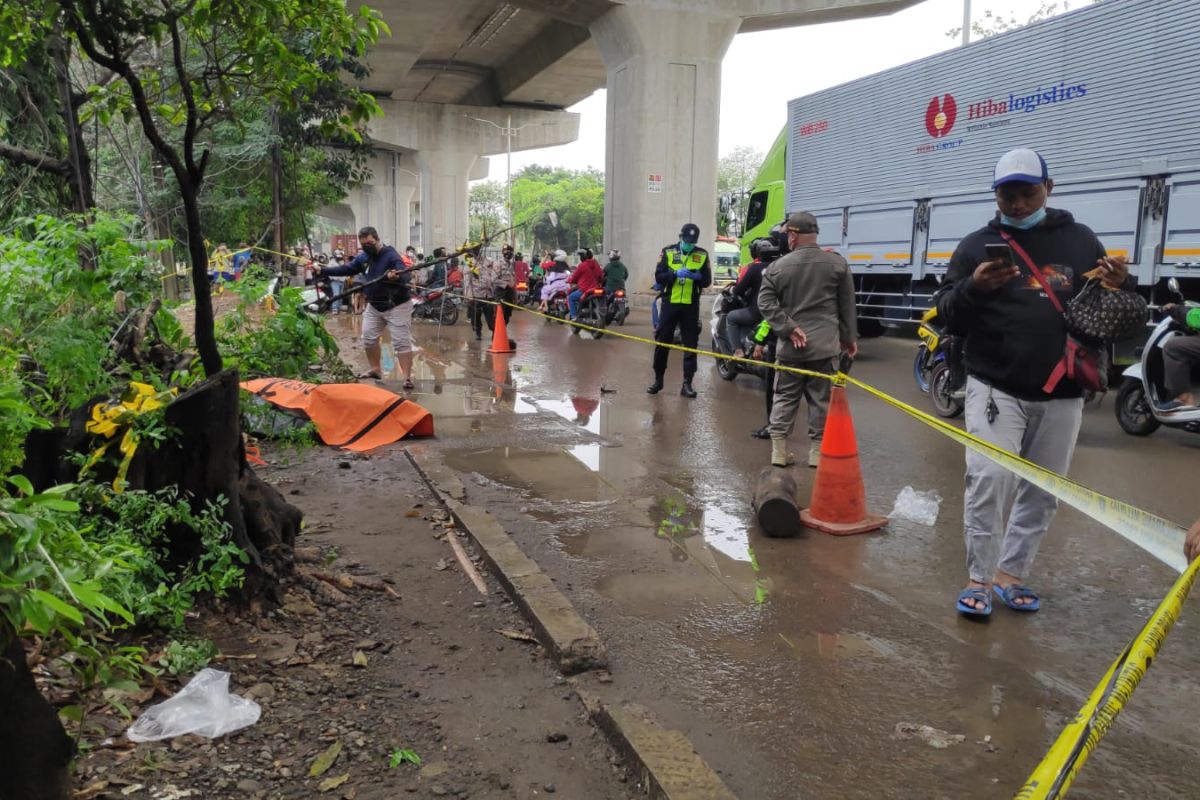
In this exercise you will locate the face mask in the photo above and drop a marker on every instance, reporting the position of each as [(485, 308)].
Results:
[(1027, 222), (371, 249), (686, 247)]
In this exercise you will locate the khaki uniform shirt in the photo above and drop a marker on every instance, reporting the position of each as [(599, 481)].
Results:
[(812, 290)]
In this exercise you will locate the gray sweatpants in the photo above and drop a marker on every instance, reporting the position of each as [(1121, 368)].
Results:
[(790, 389), (1043, 432)]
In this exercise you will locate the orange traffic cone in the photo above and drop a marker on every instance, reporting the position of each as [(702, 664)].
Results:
[(839, 499), (499, 373), (500, 341)]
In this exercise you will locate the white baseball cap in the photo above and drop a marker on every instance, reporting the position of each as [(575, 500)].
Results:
[(1020, 166)]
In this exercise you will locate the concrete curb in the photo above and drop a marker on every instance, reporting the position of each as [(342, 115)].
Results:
[(559, 627), (670, 767)]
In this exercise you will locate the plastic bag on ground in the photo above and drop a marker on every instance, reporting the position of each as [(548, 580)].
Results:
[(203, 707), (919, 507)]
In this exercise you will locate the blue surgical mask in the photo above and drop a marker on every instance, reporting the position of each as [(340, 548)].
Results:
[(686, 247), (1025, 223)]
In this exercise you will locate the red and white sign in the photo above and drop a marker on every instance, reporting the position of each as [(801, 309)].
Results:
[(654, 184)]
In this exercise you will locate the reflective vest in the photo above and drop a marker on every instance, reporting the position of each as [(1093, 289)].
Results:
[(681, 290), (762, 332)]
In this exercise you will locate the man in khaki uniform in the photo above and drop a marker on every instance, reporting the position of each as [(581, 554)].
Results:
[(807, 298)]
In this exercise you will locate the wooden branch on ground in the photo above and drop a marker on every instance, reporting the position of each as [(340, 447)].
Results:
[(467, 566)]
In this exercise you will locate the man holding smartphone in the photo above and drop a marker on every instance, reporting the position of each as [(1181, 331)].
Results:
[(1014, 339)]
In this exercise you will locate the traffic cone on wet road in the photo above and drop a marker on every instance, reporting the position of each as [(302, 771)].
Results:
[(839, 499), (500, 341)]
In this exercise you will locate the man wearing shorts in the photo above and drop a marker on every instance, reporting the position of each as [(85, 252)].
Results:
[(389, 302)]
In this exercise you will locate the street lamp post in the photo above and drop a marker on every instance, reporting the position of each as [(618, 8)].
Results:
[(966, 22), (508, 132)]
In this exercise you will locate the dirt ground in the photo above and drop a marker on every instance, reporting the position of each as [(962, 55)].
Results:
[(433, 671)]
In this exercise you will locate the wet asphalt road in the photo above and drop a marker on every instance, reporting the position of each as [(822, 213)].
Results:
[(790, 663)]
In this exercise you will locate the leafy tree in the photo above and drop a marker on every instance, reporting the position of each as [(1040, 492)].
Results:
[(487, 208), (283, 52), (1000, 22), (559, 208), (735, 176)]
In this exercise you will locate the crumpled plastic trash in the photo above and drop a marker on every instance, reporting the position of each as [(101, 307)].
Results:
[(203, 707), (920, 507)]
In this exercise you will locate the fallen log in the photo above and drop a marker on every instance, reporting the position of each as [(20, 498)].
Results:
[(775, 502)]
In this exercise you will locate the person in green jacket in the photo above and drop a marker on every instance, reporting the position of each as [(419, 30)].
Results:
[(615, 273), (1179, 354)]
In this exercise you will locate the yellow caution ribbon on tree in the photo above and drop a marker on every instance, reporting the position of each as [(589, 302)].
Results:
[(110, 419)]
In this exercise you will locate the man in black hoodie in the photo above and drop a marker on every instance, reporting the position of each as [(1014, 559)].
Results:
[(1014, 340)]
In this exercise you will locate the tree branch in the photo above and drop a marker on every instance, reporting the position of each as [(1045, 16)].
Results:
[(189, 98), (30, 158)]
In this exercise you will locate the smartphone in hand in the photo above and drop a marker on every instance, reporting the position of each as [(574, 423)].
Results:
[(999, 252)]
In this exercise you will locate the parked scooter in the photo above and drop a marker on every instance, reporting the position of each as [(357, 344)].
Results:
[(1143, 391), (937, 367), (436, 305)]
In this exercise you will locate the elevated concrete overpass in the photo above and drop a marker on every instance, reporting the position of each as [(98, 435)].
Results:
[(519, 64)]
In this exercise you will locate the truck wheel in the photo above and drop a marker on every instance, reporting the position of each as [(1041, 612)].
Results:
[(1133, 410)]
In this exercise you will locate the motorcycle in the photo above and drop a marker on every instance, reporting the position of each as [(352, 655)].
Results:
[(728, 369), (522, 293), (593, 312), (436, 305), (937, 367), (557, 308), (618, 308), (1143, 391)]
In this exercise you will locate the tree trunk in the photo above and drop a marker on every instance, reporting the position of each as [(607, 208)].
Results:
[(77, 154), (205, 330), (36, 749), (775, 502)]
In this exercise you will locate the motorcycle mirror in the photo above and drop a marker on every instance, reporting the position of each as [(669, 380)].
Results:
[(1173, 286)]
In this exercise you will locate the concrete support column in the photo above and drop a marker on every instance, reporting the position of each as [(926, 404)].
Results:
[(404, 181), (664, 99), (445, 173)]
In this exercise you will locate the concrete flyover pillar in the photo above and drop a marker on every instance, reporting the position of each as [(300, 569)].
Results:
[(445, 173), (664, 96)]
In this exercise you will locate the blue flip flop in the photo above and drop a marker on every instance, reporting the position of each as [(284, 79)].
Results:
[(980, 595), (1017, 591)]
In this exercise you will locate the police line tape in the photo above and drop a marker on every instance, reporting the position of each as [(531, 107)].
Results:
[(1159, 537)]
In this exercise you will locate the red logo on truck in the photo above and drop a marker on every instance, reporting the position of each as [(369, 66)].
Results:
[(940, 115)]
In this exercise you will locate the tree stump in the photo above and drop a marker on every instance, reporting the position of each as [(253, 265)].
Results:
[(37, 751), (775, 502)]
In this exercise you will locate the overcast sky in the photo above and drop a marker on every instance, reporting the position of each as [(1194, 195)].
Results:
[(762, 71)]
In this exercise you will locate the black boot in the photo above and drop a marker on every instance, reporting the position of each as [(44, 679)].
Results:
[(655, 387), (686, 390)]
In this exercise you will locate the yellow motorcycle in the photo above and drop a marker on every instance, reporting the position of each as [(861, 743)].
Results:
[(934, 367)]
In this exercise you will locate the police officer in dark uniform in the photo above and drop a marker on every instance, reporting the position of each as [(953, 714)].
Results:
[(683, 270)]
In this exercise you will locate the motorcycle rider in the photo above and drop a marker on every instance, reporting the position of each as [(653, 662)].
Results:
[(615, 273), (557, 275), (740, 322), (586, 277), (1180, 353), (683, 270)]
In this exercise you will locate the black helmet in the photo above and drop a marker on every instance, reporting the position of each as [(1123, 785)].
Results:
[(780, 239), (767, 251)]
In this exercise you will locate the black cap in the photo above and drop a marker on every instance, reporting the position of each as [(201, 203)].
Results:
[(690, 233)]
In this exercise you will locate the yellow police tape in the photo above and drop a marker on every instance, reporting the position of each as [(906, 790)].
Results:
[(1053, 777), (1157, 536), (109, 419)]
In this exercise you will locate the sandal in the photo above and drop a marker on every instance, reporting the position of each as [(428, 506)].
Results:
[(369, 375), (1009, 595), (980, 595)]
